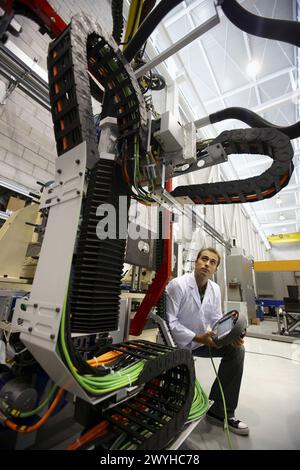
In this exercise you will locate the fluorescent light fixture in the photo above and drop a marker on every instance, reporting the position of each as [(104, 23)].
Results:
[(29, 61), (253, 68), (284, 229), (281, 217), (278, 200)]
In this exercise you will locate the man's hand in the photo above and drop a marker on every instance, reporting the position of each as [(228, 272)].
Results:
[(237, 342), (207, 339)]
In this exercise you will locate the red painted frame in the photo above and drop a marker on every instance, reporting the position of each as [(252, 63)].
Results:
[(44, 12), (159, 282)]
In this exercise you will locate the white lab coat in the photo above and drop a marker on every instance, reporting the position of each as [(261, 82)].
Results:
[(186, 315)]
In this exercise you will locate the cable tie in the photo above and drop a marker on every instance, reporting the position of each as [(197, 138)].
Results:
[(108, 368), (96, 360), (78, 441)]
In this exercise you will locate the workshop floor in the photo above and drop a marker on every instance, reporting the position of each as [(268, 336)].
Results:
[(267, 326), (269, 399), (269, 403)]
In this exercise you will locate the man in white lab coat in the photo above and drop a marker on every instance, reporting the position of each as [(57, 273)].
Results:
[(193, 306)]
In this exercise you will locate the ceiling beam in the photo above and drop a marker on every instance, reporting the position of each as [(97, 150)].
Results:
[(206, 59), (278, 210), (260, 81), (291, 188), (250, 58), (276, 102), (275, 223), (172, 18)]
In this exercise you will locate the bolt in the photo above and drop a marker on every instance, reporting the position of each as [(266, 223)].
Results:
[(52, 336), (59, 171), (30, 329), (77, 161), (35, 305), (57, 309), (80, 173), (78, 192), (61, 183), (58, 200)]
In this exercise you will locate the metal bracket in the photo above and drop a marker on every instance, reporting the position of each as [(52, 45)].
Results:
[(215, 154), (165, 331), (39, 319), (69, 179), (108, 138)]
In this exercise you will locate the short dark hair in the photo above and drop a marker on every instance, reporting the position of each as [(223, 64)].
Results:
[(209, 248)]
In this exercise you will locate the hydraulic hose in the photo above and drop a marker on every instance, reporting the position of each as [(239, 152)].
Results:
[(279, 30), (148, 26), (253, 120)]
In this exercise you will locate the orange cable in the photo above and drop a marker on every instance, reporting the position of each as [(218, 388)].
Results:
[(26, 429), (97, 431)]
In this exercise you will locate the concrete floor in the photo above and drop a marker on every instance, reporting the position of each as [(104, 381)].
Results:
[(269, 399)]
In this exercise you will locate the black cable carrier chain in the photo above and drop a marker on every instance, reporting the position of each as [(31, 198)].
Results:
[(85, 45), (153, 417), (73, 124), (266, 141), (98, 263)]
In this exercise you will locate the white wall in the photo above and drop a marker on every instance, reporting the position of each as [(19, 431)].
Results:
[(285, 251), (27, 145)]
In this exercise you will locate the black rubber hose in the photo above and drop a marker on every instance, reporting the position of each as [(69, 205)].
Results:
[(279, 30), (253, 120), (148, 5), (148, 26)]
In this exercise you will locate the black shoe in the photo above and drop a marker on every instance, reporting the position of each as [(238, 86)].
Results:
[(234, 425)]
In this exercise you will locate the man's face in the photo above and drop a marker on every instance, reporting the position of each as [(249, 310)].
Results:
[(206, 264)]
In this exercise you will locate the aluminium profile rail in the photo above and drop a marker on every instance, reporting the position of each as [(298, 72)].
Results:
[(17, 72)]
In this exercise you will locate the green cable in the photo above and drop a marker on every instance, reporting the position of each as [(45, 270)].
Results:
[(224, 404), (94, 384), (27, 414), (200, 403)]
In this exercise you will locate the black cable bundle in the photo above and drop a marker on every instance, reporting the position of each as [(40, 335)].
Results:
[(269, 28), (253, 120), (279, 30), (118, 22), (148, 26)]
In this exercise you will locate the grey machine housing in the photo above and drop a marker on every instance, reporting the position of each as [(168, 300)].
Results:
[(229, 327)]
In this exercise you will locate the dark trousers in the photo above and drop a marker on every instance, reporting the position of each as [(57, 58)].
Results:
[(230, 374)]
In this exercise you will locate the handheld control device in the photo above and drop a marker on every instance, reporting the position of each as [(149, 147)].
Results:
[(229, 327)]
